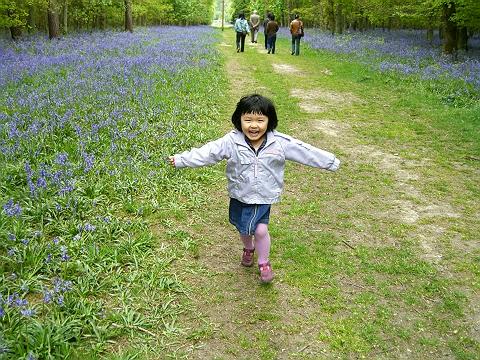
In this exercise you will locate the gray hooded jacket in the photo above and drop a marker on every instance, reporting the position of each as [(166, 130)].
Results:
[(256, 178)]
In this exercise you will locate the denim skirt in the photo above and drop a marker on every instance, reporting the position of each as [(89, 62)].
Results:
[(246, 217)]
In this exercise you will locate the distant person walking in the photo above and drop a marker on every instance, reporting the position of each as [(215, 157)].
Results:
[(242, 29), (272, 28), (265, 22), (254, 25), (296, 29)]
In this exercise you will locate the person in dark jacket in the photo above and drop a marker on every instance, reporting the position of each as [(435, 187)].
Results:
[(265, 22), (272, 29)]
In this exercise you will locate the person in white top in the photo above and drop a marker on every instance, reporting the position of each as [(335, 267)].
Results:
[(254, 25)]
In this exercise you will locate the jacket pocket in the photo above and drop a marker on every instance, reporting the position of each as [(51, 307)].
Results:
[(244, 157)]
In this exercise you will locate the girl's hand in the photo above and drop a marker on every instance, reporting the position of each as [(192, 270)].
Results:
[(171, 159)]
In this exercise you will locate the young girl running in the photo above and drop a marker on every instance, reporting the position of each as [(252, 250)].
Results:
[(255, 154)]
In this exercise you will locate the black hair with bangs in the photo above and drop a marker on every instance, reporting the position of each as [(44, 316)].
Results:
[(255, 104)]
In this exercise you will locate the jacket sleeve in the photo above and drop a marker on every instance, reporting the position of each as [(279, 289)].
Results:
[(306, 154), (209, 154)]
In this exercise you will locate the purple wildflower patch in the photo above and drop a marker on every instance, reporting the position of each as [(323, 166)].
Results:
[(404, 51)]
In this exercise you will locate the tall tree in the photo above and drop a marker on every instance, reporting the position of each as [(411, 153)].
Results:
[(53, 20), (65, 16), (450, 42), (128, 16)]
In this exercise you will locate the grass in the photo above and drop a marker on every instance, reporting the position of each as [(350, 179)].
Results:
[(85, 273), (378, 260), (377, 250)]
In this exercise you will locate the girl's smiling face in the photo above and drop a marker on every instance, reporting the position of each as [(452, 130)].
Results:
[(254, 126)]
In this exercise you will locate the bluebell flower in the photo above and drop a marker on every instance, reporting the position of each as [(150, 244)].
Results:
[(27, 312), (64, 253), (47, 296), (61, 286), (41, 182), (9, 301), (12, 209), (89, 227), (66, 189), (19, 302), (62, 159), (60, 300), (29, 173)]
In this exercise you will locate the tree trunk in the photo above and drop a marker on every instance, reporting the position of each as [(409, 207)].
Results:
[(15, 32), (31, 20), (128, 16), (331, 16), (462, 38), (103, 21), (450, 41), (430, 35), (65, 17), (339, 19), (53, 20)]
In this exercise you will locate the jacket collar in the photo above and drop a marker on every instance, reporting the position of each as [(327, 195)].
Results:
[(239, 138)]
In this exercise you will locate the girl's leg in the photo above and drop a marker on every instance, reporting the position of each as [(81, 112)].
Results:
[(262, 243), (247, 241), (248, 250)]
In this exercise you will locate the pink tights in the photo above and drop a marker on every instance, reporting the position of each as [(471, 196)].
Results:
[(262, 242)]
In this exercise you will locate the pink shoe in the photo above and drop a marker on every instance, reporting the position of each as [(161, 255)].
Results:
[(247, 257), (266, 272)]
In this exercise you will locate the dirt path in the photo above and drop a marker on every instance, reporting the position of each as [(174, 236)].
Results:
[(238, 304), (279, 319)]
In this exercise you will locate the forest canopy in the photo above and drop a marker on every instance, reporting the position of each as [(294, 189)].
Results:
[(35, 15), (455, 20)]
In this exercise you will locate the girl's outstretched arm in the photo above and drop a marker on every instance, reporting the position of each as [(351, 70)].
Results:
[(306, 154), (210, 153)]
